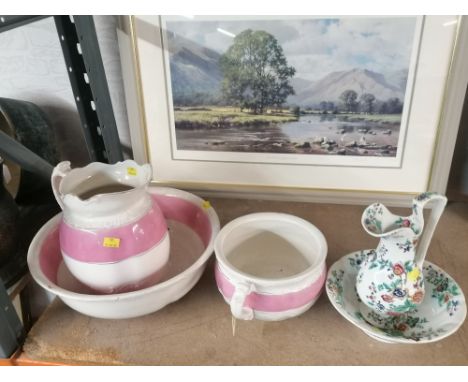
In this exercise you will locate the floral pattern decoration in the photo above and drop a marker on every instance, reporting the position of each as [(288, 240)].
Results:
[(393, 294), (444, 290), (373, 219), (443, 303), (406, 325), (390, 280), (335, 286)]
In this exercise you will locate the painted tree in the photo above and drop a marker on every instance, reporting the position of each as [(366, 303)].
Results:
[(331, 106), (367, 102), (256, 72), (395, 106), (349, 99)]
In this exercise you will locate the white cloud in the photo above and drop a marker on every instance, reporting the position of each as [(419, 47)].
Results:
[(316, 47)]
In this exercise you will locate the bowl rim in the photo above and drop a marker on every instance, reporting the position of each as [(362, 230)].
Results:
[(46, 283), (226, 267)]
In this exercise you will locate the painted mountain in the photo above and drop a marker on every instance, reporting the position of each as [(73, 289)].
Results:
[(194, 72), (330, 87), (196, 79)]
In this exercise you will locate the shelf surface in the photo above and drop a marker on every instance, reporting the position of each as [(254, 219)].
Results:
[(196, 330)]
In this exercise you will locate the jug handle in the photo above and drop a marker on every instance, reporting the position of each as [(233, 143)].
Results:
[(62, 169), (439, 202)]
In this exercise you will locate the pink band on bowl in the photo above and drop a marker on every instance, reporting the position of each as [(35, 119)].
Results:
[(185, 212), (272, 303), (135, 238), (50, 256)]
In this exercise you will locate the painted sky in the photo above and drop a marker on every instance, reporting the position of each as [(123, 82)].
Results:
[(316, 47)]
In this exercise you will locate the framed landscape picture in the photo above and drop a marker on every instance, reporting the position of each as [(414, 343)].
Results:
[(284, 103), (240, 87)]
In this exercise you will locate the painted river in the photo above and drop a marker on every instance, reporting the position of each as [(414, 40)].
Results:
[(311, 134)]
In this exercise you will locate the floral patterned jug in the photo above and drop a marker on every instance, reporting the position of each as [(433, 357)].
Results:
[(390, 280)]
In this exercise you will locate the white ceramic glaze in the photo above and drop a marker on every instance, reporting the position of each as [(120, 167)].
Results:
[(276, 298), (112, 240), (193, 231), (440, 314), (390, 280), (123, 275)]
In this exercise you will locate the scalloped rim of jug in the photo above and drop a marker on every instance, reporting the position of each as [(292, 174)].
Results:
[(130, 163)]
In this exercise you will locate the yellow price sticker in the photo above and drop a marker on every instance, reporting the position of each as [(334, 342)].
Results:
[(131, 171), (111, 242)]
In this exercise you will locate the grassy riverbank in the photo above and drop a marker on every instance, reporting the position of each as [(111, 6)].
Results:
[(208, 117), (219, 117), (383, 118)]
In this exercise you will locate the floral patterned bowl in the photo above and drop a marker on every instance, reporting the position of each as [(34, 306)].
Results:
[(440, 314)]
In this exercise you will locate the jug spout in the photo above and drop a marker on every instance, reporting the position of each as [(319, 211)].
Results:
[(379, 222), (59, 172)]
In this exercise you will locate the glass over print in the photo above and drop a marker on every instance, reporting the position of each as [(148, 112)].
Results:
[(315, 87)]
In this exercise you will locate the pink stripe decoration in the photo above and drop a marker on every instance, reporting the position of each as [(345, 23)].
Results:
[(272, 303), (185, 212), (50, 256), (135, 238)]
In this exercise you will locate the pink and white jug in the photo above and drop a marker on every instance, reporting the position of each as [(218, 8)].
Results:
[(113, 236)]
